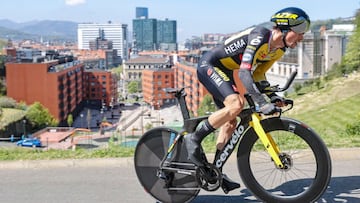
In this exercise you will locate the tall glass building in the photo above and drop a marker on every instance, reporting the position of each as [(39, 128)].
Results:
[(166, 35), (145, 34), (142, 12), (117, 33), (152, 34)]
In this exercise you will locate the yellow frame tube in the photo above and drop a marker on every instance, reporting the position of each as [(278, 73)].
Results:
[(266, 139)]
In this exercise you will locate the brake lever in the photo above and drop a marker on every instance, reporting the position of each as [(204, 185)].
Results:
[(289, 104)]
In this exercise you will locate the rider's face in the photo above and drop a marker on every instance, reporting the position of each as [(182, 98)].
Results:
[(292, 38)]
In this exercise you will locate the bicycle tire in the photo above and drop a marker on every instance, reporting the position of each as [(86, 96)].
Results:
[(304, 149), (149, 152)]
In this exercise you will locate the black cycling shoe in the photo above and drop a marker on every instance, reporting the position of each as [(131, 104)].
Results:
[(228, 184), (195, 153)]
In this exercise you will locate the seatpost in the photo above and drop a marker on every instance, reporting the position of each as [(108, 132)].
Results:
[(180, 95)]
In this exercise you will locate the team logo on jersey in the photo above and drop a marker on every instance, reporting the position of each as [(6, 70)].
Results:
[(245, 65), (256, 41), (209, 71), (247, 57), (233, 47), (218, 76), (222, 74)]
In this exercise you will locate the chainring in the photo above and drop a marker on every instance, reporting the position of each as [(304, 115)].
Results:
[(208, 177)]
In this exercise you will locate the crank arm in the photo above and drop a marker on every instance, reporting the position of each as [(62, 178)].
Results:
[(183, 189), (180, 171)]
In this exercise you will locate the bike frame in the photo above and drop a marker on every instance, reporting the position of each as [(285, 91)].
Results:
[(249, 118), (243, 126)]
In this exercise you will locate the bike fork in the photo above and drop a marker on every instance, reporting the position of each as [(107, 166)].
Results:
[(266, 139)]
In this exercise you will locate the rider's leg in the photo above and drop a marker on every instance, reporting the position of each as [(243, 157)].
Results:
[(233, 106), (225, 133), (228, 128)]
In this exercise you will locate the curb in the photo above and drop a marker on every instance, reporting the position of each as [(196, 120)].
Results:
[(58, 163), (336, 155)]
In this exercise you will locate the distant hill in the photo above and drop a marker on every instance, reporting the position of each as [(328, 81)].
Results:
[(47, 29)]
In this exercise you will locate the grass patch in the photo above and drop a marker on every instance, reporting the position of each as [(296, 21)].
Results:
[(330, 122), (20, 153)]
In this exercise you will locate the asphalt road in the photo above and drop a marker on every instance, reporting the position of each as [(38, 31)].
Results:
[(114, 180)]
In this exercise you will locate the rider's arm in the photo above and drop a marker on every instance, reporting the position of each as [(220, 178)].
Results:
[(247, 80), (260, 71), (255, 49), (256, 61)]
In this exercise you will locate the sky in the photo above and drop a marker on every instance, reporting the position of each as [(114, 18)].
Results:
[(194, 17)]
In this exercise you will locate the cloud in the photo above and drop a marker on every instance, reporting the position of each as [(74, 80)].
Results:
[(74, 2)]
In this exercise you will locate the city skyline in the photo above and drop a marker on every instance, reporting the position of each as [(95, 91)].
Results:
[(210, 17)]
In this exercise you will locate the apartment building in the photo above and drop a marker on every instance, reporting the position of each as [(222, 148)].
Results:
[(58, 87), (312, 58), (100, 86), (154, 80), (133, 68), (159, 70), (185, 76)]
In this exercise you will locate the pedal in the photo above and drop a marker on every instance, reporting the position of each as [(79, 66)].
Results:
[(228, 185), (161, 174)]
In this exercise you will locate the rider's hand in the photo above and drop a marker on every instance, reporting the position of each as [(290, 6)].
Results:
[(278, 101), (268, 109)]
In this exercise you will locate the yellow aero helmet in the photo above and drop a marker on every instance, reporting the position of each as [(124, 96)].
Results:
[(291, 18)]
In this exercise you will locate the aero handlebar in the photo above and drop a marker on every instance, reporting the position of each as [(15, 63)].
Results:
[(264, 86), (288, 83)]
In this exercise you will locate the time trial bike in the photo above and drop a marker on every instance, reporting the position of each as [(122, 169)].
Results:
[(279, 159)]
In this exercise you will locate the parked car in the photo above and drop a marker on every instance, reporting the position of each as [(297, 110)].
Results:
[(29, 142)]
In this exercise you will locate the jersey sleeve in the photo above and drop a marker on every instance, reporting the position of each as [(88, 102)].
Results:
[(262, 68), (255, 40)]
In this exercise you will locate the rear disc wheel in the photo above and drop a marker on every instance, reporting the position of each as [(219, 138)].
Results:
[(172, 187)]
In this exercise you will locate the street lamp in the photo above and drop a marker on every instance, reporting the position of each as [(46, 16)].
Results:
[(81, 120), (24, 122)]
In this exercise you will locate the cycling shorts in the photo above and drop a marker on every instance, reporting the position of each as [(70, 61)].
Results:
[(218, 82)]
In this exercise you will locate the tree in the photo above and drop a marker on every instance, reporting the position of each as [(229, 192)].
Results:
[(133, 87), (39, 116), (70, 120), (352, 55), (206, 106)]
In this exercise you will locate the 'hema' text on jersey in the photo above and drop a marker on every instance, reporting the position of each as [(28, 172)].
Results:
[(233, 47)]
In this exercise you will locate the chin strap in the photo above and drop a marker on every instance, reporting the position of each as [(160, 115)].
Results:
[(284, 33)]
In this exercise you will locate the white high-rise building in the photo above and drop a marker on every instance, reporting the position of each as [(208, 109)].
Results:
[(117, 33)]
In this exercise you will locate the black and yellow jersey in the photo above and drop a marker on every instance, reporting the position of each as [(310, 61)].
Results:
[(248, 49)]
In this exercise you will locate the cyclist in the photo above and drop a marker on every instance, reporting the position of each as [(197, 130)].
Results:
[(253, 52)]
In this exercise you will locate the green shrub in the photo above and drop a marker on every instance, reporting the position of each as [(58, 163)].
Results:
[(7, 102), (353, 128)]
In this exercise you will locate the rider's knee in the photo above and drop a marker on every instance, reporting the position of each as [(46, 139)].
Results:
[(235, 106), (230, 125)]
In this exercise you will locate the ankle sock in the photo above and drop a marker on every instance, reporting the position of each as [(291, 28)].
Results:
[(203, 131)]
